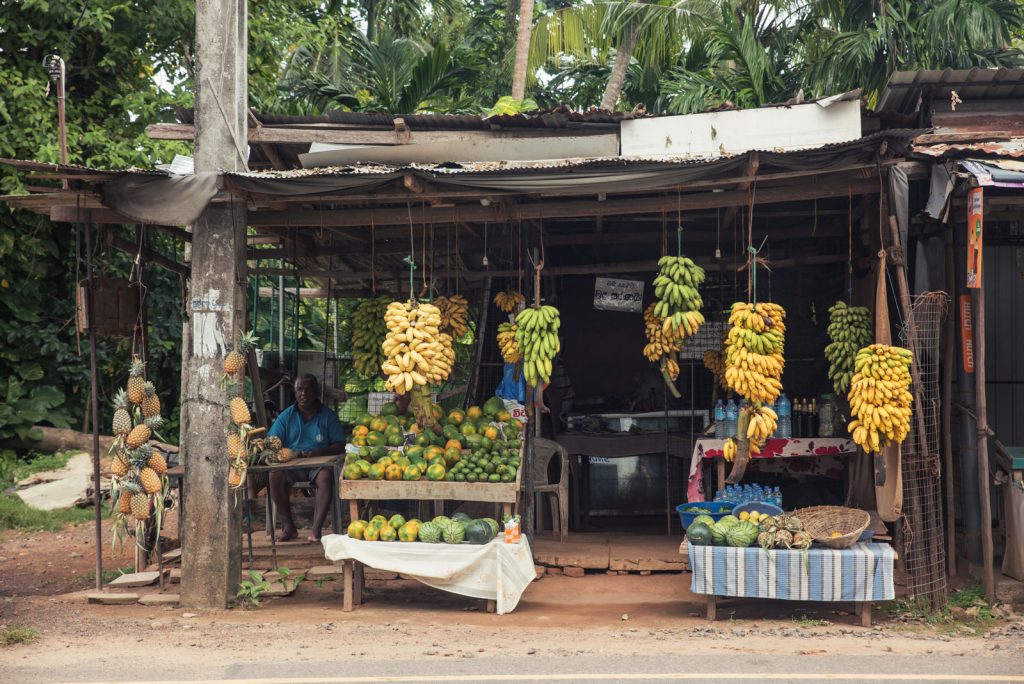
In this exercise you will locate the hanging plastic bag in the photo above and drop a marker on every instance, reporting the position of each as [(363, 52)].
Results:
[(512, 386)]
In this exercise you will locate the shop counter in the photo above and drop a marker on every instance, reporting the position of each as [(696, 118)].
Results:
[(859, 574)]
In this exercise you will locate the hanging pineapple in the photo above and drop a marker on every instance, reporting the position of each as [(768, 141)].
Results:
[(234, 362)]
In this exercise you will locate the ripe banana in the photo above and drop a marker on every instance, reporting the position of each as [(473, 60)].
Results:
[(368, 331), (850, 329), (454, 313), (753, 354), (679, 301), (880, 397), (510, 351), (761, 426), (537, 337), (508, 301), (417, 352), (729, 450)]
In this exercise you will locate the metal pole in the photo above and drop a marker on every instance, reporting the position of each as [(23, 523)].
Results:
[(95, 397), (280, 338)]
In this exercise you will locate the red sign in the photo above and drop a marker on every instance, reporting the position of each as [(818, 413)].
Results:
[(967, 332), (974, 226)]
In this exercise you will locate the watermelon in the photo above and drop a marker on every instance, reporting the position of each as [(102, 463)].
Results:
[(430, 532), (478, 532), (742, 535), (441, 520), (699, 533), (718, 534), (453, 532), (462, 518), (493, 524), (706, 519)]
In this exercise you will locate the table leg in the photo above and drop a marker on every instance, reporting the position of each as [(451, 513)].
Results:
[(181, 509), (864, 613), (273, 533), (712, 607), (353, 509), (360, 583), (574, 484), (247, 512), (336, 503), (347, 578), (492, 606), (720, 469)]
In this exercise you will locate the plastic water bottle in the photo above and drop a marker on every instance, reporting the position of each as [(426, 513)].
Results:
[(785, 414), (732, 417), (719, 420)]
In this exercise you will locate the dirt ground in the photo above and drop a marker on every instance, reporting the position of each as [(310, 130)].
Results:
[(44, 578)]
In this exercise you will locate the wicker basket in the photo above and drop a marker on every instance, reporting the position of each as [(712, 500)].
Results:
[(823, 521)]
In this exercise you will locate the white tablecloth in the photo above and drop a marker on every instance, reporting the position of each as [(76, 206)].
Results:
[(496, 571)]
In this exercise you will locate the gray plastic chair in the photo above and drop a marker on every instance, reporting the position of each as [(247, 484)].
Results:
[(557, 493)]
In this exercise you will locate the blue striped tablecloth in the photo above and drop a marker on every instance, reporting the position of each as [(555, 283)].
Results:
[(862, 572)]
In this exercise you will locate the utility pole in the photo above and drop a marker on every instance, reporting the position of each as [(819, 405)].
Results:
[(211, 550)]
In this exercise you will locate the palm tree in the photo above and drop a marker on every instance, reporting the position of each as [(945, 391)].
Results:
[(522, 49)]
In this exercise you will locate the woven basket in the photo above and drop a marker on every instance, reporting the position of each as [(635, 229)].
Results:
[(823, 521)]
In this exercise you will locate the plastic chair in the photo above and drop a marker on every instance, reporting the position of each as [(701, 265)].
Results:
[(557, 493)]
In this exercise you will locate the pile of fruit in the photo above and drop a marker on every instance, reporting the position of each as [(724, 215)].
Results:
[(454, 314), (510, 351), (476, 445), (849, 328), (417, 352), (753, 368), (537, 337), (783, 531), (454, 530), (677, 311), (880, 397), (727, 531), (138, 472), (509, 301), (240, 430), (368, 331)]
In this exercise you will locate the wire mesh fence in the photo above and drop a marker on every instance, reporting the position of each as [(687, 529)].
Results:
[(922, 530)]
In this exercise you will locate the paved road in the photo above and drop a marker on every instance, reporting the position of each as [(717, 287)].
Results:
[(571, 669)]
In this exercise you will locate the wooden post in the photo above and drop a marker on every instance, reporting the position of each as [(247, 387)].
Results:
[(93, 396), (984, 481), (211, 552), (949, 351)]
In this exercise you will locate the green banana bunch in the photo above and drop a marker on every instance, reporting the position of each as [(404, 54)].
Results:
[(368, 331), (676, 286), (851, 329), (537, 338)]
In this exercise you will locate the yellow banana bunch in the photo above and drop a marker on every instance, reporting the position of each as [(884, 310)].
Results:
[(714, 363), (729, 450), (850, 329), (537, 337), (880, 397), (508, 301), (507, 343), (761, 426), (671, 367), (658, 344), (417, 352), (753, 351), (368, 331), (454, 312), (679, 301)]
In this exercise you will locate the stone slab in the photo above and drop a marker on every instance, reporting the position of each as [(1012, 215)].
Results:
[(61, 488), (658, 553), (159, 600), (115, 599), (591, 555), (174, 576), (324, 572), (573, 572), (172, 555), (136, 579), (279, 589)]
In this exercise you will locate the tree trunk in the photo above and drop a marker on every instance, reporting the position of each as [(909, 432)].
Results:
[(522, 49), (623, 56), (57, 439)]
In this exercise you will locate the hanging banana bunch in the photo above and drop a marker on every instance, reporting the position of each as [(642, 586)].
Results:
[(417, 352), (880, 397), (368, 331), (537, 337), (661, 348), (454, 315), (509, 301), (679, 299), (510, 351), (713, 361), (850, 329)]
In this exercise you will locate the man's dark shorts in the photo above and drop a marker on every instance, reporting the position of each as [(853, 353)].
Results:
[(293, 475)]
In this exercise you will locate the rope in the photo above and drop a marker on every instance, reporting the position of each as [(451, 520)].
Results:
[(679, 222), (410, 259), (373, 253), (849, 246)]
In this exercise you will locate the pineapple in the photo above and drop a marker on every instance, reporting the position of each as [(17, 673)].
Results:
[(274, 443), (124, 502), (284, 455), (235, 360), (140, 506), (157, 463), (136, 382), (150, 401), (240, 411), (119, 466), (138, 436), (151, 482), (236, 448), (122, 422), (235, 477)]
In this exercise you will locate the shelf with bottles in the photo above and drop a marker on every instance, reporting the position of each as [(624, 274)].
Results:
[(800, 418)]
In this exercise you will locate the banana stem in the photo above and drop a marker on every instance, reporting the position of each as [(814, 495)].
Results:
[(419, 402), (668, 381), (739, 464)]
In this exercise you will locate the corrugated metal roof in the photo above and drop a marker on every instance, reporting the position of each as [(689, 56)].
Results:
[(74, 170), (904, 89), (1013, 149)]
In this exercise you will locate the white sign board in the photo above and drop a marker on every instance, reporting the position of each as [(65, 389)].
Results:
[(612, 294)]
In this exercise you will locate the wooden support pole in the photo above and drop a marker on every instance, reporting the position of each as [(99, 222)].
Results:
[(948, 352), (984, 481), (95, 404)]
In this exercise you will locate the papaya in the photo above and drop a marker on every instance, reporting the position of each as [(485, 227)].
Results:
[(376, 471), (421, 441), (467, 429), (456, 417), (389, 410), (364, 466), (491, 432), (364, 419), (386, 461), (395, 439), (432, 451), (356, 529), (397, 520), (361, 430), (388, 533), (438, 460), (502, 416), (409, 532), (414, 451), (378, 520), (393, 472), (378, 424), (352, 472), (376, 438), (438, 411), (452, 456), (412, 473), (371, 533), (359, 440), (452, 444), (403, 461), (493, 405), (474, 413), (350, 458), (435, 472)]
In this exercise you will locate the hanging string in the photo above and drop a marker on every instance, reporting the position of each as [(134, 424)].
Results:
[(373, 253), (423, 250), (458, 253), (664, 228), (448, 259), (519, 252), (814, 225), (410, 259), (849, 245), (679, 222)]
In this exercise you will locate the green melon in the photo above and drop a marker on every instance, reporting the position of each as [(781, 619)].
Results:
[(493, 525), (430, 533), (453, 533), (478, 532), (699, 533)]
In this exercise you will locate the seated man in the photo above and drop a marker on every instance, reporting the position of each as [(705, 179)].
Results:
[(310, 429)]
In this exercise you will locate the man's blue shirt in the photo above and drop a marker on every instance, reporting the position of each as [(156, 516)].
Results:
[(298, 434)]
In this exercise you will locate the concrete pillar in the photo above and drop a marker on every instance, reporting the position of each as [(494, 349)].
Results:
[(211, 553)]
